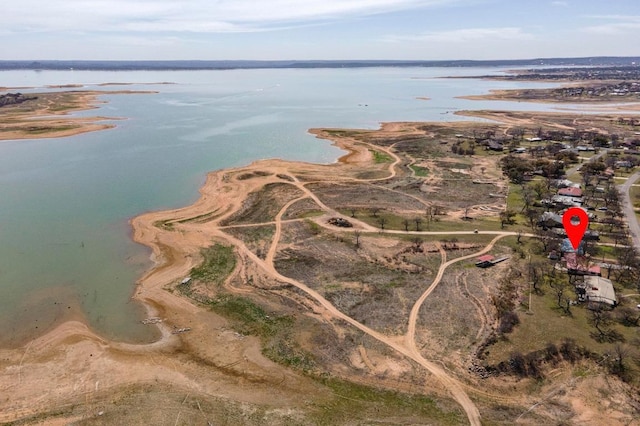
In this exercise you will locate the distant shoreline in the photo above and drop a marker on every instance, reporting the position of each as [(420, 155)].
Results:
[(170, 65)]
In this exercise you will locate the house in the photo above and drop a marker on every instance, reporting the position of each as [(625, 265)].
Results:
[(567, 248), (563, 200), (485, 261), (570, 191), (600, 291), (623, 164), (550, 220), (494, 146), (580, 265), (564, 183)]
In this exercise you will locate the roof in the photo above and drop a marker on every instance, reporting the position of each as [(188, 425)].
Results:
[(551, 217), (570, 192), (579, 265), (600, 290), (566, 200), (485, 258), (567, 247)]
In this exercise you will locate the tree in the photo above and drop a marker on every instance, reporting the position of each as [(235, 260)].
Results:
[(430, 215), (515, 168), (540, 189), (506, 217), (617, 357), (466, 213), (356, 235), (417, 244), (418, 221), (532, 215), (375, 211), (353, 211), (628, 316), (528, 197), (382, 221), (405, 223), (559, 284), (536, 272), (601, 320)]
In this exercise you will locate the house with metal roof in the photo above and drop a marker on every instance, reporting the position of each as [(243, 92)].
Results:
[(600, 291)]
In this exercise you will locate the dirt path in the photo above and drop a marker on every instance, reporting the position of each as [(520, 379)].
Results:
[(409, 348)]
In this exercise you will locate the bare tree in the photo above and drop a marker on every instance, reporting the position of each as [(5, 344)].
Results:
[(356, 235), (536, 272), (418, 221), (375, 211), (600, 319), (353, 211), (617, 357), (417, 244), (405, 223), (559, 284), (466, 213), (628, 316), (382, 221)]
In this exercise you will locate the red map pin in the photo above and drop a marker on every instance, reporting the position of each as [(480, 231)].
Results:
[(575, 231)]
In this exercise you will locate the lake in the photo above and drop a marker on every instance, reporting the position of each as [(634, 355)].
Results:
[(65, 203)]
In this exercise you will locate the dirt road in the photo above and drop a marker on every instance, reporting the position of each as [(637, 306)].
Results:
[(634, 228)]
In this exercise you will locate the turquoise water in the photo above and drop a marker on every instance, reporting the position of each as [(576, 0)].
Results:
[(65, 203)]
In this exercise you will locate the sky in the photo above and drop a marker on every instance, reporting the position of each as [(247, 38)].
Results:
[(317, 29)]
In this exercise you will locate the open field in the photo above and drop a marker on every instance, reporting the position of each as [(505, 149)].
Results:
[(294, 293)]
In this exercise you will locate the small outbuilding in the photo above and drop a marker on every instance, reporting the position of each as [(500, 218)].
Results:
[(600, 291)]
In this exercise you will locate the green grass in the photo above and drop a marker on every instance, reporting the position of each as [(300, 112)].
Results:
[(547, 324), (420, 171), (248, 317), (514, 199), (273, 329), (219, 261), (373, 406), (380, 157)]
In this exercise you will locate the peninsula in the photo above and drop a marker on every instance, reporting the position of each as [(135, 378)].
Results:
[(297, 293)]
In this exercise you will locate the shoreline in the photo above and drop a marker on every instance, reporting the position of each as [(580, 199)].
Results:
[(514, 95), (37, 119), (173, 256)]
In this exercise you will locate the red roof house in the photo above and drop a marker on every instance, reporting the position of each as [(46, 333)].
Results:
[(570, 192)]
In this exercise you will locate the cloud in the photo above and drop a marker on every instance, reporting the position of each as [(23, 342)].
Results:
[(618, 24), (465, 35), (207, 16)]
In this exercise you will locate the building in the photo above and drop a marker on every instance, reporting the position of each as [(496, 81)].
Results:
[(600, 291), (567, 247), (485, 261), (570, 191), (580, 265), (566, 201), (550, 220)]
